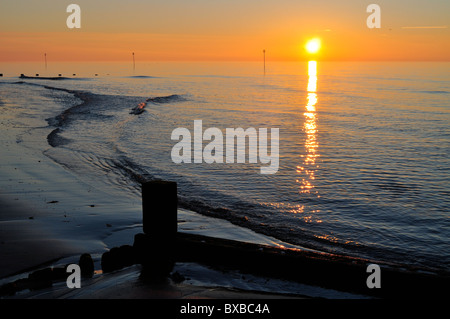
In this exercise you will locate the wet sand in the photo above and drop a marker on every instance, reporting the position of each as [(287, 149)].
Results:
[(24, 242), (46, 212), (27, 245)]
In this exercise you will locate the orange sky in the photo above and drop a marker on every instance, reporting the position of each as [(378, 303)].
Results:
[(201, 30)]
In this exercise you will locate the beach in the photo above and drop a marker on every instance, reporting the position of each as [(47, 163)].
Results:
[(31, 240), (224, 158), (39, 229), (74, 155)]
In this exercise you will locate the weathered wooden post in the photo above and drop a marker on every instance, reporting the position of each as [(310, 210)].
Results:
[(159, 209), (155, 247)]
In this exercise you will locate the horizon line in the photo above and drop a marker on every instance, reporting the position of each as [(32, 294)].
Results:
[(233, 60), (427, 27)]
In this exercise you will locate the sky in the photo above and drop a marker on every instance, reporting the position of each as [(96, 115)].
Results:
[(224, 30)]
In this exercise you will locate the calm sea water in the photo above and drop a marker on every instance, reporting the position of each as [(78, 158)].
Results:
[(363, 147)]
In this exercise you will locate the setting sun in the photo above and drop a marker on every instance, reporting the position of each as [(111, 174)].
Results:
[(313, 46)]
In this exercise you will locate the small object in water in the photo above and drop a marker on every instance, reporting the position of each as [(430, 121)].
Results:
[(139, 109)]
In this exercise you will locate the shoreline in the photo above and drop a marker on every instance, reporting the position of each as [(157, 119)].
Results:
[(221, 268), (23, 245), (214, 268), (49, 213)]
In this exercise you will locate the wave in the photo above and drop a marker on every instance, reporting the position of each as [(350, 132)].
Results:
[(435, 92), (124, 172), (214, 76), (48, 87), (54, 139), (167, 99), (141, 77), (407, 89)]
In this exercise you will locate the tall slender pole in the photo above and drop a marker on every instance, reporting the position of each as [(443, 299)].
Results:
[(134, 64), (264, 52), (45, 57)]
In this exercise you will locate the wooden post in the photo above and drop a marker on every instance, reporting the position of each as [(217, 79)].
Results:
[(264, 52), (155, 248), (159, 208)]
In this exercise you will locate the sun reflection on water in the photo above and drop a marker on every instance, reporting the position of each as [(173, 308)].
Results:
[(308, 167)]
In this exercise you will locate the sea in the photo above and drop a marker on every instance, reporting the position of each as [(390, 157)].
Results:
[(363, 147)]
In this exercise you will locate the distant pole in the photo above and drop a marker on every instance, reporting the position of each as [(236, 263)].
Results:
[(45, 58), (264, 52), (134, 63)]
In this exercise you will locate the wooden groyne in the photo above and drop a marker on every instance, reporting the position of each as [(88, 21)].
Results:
[(37, 77), (161, 245)]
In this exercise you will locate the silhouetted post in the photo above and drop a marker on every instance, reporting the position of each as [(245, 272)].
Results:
[(45, 58), (159, 208), (134, 64), (155, 248), (264, 53)]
